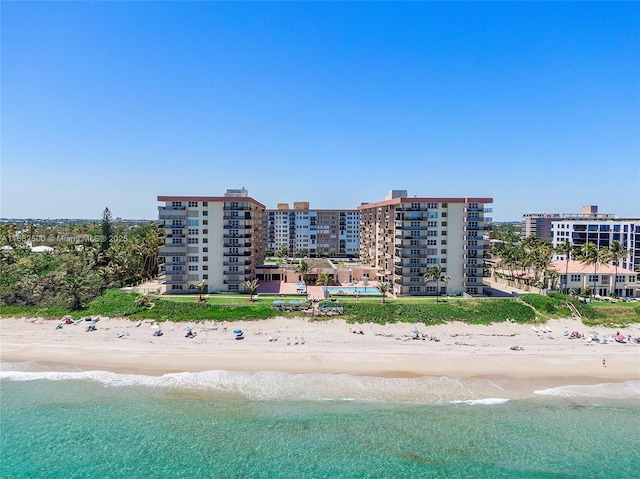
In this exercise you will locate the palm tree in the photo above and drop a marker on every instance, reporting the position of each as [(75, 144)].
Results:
[(201, 287), (436, 274), (383, 288), (251, 285), (303, 269), (75, 288), (565, 249), (590, 254), (616, 253), (324, 279)]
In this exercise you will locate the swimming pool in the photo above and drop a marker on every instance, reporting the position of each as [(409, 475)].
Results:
[(353, 290)]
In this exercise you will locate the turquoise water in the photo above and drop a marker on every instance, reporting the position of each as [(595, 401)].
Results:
[(241, 425)]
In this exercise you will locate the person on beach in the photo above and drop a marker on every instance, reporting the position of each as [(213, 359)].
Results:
[(604, 363)]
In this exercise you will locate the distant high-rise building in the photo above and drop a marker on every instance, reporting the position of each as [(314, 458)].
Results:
[(404, 237), (215, 239), (312, 232), (539, 224)]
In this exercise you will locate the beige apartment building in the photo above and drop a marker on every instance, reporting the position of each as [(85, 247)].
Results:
[(216, 239), (403, 237), (303, 231)]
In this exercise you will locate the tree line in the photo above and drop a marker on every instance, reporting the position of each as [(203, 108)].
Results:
[(528, 260), (87, 259)]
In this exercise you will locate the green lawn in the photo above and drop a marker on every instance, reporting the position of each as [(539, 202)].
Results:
[(229, 307)]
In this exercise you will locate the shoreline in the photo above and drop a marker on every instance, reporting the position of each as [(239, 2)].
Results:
[(329, 347)]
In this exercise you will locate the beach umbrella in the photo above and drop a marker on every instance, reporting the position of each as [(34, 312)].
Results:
[(155, 326), (91, 323), (187, 329), (237, 331), (593, 333), (415, 330), (294, 301)]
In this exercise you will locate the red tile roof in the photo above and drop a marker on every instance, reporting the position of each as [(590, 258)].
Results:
[(578, 267)]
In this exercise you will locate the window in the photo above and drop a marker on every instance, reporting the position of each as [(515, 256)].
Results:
[(176, 204), (192, 204), (432, 224), (205, 258), (432, 205), (205, 213), (432, 233), (444, 224), (444, 214), (192, 240), (593, 278), (205, 222), (205, 231), (430, 289), (443, 251), (192, 231), (432, 242), (205, 268), (575, 278), (176, 241), (193, 259), (205, 276), (205, 249), (192, 222), (444, 241), (193, 267), (205, 240)]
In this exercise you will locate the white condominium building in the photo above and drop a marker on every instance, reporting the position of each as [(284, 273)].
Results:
[(403, 237), (540, 224), (602, 233), (311, 232), (215, 239)]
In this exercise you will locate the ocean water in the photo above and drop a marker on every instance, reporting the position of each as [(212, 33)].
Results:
[(217, 424)]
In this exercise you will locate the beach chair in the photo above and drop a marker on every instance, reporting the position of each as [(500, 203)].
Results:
[(301, 339), (295, 340), (535, 330), (288, 340)]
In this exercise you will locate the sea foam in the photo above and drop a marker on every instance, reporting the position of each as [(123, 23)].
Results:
[(282, 386), (624, 390)]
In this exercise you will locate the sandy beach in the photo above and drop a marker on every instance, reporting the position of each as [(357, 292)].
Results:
[(332, 346)]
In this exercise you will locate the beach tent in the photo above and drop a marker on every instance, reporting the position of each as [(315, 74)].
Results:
[(278, 301)]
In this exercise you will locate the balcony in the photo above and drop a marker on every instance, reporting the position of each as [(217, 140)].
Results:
[(172, 227), (237, 245), (237, 263), (408, 255), (175, 235), (171, 208), (172, 272), (171, 253), (409, 228), (242, 253), (474, 246), (244, 235), (175, 281), (242, 271), (175, 263), (174, 245), (237, 217), (172, 216), (233, 281), (236, 208), (236, 227)]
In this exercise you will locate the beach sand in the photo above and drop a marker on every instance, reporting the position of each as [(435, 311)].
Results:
[(330, 346)]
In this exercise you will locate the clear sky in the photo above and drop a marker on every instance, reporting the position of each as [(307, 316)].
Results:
[(535, 104)]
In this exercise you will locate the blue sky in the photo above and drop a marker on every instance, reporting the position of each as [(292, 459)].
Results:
[(536, 104)]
